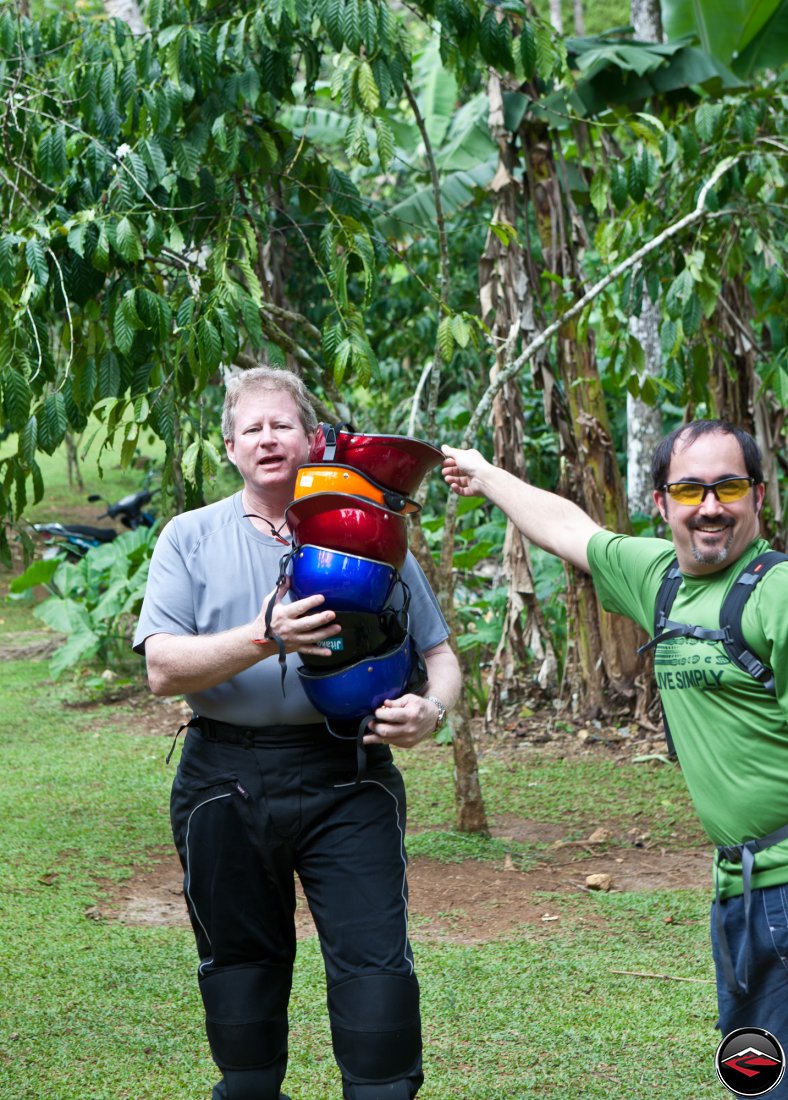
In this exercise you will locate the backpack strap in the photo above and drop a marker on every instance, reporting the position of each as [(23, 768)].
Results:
[(731, 615), (668, 588)]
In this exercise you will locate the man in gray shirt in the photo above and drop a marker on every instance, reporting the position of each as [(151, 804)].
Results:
[(263, 791)]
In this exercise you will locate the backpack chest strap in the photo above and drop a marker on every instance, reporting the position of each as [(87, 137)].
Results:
[(669, 629)]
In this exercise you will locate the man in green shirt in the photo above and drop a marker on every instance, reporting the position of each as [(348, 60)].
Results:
[(731, 735)]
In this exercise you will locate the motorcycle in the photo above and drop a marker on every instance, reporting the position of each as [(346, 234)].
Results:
[(77, 538)]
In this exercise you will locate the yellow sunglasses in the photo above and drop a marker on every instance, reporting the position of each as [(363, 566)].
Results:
[(726, 490)]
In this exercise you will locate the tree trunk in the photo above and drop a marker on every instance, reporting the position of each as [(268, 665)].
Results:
[(73, 470), (737, 396), (580, 18), (646, 17), (644, 421), (127, 11), (469, 808), (601, 658), (469, 804), (506, 305), (556, 16)]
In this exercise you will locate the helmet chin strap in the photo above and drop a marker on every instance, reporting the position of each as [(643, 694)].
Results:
[(269, 611)]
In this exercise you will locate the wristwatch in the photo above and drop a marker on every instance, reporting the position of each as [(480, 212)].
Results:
[(441, 721)]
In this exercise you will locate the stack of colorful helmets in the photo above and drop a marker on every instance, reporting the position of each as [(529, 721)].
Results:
[(349, 525)]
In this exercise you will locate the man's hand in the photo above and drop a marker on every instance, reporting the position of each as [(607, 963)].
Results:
[(299, 624), (402, 722), (463, 470)]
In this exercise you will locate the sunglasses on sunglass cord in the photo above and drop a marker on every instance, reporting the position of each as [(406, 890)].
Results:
[(726, 490)]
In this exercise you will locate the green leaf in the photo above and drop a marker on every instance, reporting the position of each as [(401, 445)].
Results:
[(636, 177), (460, 330), (332, 14), (8, 255), (40, 572), (209, 344), (189, 461), (28, 442), (17, 397), (109, 377), (708, 118), (598, 191), (123, 330), (445, 338), (618, 185), (385, 142), (211, 459), (367, 88), (357, 142), (100, 257), (351, 26), (52, 423), (746, 123), (36, 261), (127, 241), (669, 338), (528, 49), (545, 51), (692, 315), (342, 360)]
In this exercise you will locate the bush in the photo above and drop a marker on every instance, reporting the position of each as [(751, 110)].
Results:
[(95, 601)]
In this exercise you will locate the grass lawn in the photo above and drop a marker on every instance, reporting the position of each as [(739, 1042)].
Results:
[(93, 1009)]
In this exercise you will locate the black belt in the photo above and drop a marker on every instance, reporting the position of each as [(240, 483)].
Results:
[(214, 730), (227, 733), (745, 854)]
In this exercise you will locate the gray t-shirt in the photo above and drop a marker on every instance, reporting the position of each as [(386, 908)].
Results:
[(210, 571)]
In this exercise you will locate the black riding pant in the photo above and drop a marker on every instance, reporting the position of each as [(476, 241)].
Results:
[(247, 815)]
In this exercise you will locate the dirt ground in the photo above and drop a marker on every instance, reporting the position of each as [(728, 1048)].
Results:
[(470, 902)]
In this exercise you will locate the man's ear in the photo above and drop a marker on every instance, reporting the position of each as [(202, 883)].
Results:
[(659, 499), (228, 446)]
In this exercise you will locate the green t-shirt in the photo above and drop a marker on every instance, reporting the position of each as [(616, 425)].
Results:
[(731, 736)]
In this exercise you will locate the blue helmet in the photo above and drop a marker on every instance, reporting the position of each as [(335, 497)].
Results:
[(349, 582), (355, 691)]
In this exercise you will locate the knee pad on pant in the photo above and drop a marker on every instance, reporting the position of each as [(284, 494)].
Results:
[(246, 1016), (376, 1030), (249, 1084)]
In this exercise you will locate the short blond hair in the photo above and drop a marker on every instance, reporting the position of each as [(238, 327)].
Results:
[(261, 379)]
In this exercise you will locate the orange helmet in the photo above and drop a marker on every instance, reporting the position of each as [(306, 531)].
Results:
[(334, 478)]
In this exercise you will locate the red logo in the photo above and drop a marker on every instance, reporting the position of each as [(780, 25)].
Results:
[(750, 1062)]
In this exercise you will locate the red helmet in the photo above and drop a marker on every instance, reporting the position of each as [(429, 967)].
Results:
[(396, 461), (354, 525)]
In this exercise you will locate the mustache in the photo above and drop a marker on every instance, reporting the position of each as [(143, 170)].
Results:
[(722, 522)]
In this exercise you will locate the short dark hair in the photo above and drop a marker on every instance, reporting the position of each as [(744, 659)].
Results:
[(660, 463)]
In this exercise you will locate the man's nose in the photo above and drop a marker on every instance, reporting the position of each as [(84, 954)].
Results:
[(710, 505)]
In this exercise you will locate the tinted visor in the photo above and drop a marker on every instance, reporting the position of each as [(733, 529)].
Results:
[(363, 635), (727, 490)]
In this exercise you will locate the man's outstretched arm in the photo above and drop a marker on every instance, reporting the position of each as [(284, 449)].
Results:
[(544, 518)]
